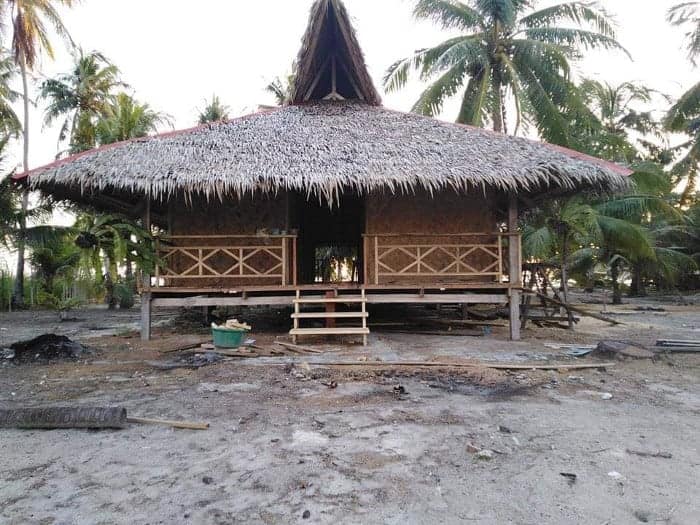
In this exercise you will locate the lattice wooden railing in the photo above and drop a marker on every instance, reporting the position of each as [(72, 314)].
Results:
[(436, 257), (227, 260)]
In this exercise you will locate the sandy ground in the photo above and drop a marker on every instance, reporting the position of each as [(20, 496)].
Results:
[(283, 447)]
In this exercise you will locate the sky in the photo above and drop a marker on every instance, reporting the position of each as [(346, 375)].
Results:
[(176, 53)]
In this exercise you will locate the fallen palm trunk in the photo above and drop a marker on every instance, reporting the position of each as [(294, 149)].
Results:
[(63, 417), (84, 417)]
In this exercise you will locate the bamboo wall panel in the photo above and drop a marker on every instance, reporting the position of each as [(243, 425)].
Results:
[(443, 213), (209, 222)]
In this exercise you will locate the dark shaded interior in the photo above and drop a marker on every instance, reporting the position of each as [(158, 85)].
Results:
[(323, 229)]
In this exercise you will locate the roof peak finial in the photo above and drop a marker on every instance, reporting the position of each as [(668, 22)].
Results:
[(330, 64)]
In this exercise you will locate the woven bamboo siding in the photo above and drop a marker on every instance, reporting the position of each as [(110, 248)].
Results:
[(444, 213), (208, 224)]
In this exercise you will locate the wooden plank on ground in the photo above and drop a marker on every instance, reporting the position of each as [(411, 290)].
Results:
[(188, 346), (175, 424), (299, 348), (437, 364)]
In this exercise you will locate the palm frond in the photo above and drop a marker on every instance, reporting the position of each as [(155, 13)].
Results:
[(580, 13), (450, 14), (688, 14), (431, 101), (475, 106), (684, 109), (577, 38)]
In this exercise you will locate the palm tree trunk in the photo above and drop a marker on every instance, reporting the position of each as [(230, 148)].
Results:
[(637, 288), (497, 113), (110, 298), (18, 292), (564, 287), (615, 276)]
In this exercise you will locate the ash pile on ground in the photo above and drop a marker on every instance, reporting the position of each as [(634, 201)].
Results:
[(45, 348), (200, 359)]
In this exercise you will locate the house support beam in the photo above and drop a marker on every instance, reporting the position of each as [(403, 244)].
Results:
[(514, 269), (203, 300), (146, 297)]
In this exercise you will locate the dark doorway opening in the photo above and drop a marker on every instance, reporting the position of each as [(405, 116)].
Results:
[(330, 240)]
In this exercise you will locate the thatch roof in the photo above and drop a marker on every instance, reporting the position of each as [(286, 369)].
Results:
[(330, 57), (321, 149)]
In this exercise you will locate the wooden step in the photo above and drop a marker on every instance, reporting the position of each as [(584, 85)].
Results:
[(329, 315), (329, 331), (324, 300)]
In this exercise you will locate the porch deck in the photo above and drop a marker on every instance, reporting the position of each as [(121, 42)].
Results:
[(406, 268)]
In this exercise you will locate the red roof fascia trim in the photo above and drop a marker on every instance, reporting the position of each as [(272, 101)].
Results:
[(71, 158)]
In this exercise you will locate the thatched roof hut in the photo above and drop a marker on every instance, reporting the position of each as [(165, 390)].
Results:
[(332, 136)]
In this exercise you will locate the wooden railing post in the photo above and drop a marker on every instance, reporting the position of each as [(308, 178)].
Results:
[(376, 259), (500, 258), (284, 262), (294, 259), (365, 254)]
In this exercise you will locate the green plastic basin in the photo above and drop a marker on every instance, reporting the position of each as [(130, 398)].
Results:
[(228, 338)]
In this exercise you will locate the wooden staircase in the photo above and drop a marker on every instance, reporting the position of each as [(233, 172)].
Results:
[(316, 300)]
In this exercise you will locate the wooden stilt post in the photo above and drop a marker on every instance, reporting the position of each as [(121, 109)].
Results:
[(514, 268), (146, 295), (146, 316), (330, 308)]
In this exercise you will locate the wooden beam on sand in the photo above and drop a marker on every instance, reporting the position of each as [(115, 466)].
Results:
[(435, 364), (168, 423)]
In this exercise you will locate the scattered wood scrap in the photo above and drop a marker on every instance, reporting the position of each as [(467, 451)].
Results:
[(539, 283), (454, 322), (188, 346), (298, 348), (578, 310), (448, 333), (679, 345), (624, 349), (562, 346), (665, 455)]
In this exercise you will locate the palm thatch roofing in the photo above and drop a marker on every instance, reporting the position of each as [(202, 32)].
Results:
[(323, 148), (334, 137)]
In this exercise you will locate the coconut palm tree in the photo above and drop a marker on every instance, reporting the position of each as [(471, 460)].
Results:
[(10, 125), (684, 115), (616, 232), (506, 55), (107, 240), (619, 122), (30, 37), (213, 111), (127, 119), (280, 88), (81, 97)]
